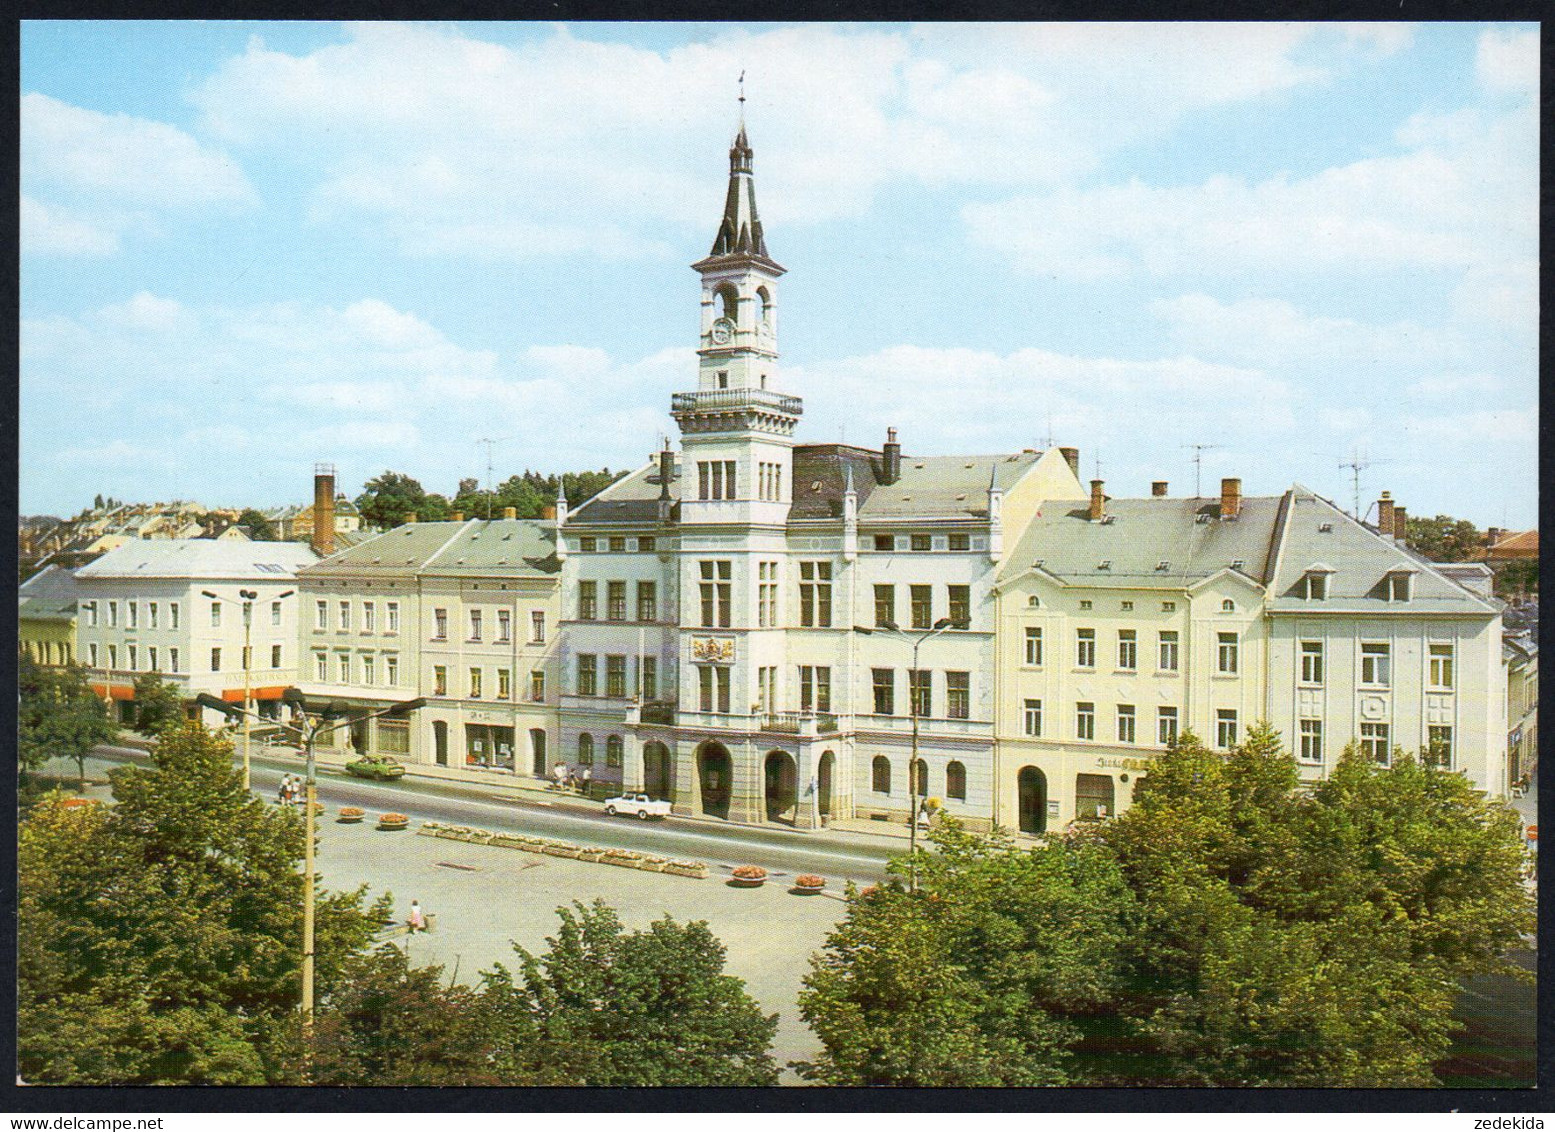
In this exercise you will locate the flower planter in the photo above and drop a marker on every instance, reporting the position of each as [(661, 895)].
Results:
[(748, 882), (649, 866), (696, 872), (748, 876), (594, 856), (807, 884), (349, 815), (393, 821)]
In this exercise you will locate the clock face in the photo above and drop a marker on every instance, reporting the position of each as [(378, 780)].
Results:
[(723, 331)]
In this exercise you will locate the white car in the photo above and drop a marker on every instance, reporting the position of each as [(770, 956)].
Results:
[(640, 804)]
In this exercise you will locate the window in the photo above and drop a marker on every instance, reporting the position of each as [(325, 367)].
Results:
[(1312, 662), (172, 615), (391, 670), (1166, 650), (588, 674), (392, 611), (369, 664), (439, 680), (919, 778), (369, 617), (645, 543), (1033, 646), (814, 688), (475, 624), (440, 624), (1093, 796), (275, 615), (113, 614), (215, 658), (1125, 723), (1376, 666), (504, 626), (615, 675), (885, 605), (475, 683), (1168, 607), (615, 601), (920, 684), (885, 542), (504, 684), (648, 677), (1441, 666), (537, 685), (345, 616), (537, 627), (1226, 655), (884, 682), (1128, 655), (1438, 747), (960, 606), (715, 479), (713, 687), (1126, 606), (113, 656), (1316, 583), (393, 735), (1228, 606), (91, 654), (1031, 717), (1085, 648), (958, 695), (815, 594), (343, 665), (172, 659), (1225, 728), (880, 775), (716, 593), (91, 614), (1085, 720), (921, 542), (647, 601), (1166, 726), (1374, 743), (321, 667), (766, 594), (1310, 748), (586, 544), (588, 601), (617, 544), (134, 615), (960, 542), (134, 654), (1085, 603), (921, 606), (1397, 585), (586, 749), (613, 751), (275, 656), (955, 777)]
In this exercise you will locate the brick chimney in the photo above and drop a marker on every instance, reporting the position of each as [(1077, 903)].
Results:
[(1494, 535), (1098, 501), (323, 539), (1072, 455), (510, 512), (892, 453), (457, 516), (1230, 497), (1400, 521), (548, 511), (1385, 514), (1158, 489)]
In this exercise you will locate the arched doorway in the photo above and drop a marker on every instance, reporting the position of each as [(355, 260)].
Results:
[(1032, 784), (656, 771), (782, 777), (713, 775), (823, 784)]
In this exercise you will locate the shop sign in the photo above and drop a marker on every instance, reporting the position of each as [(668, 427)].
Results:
[(1123, 764)]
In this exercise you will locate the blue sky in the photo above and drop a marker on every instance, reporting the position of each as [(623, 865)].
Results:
[(249, 247)]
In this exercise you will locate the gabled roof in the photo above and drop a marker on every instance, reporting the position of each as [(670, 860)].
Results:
[(49, 595), (200, 558), (821, 474), (507, 547), (632, 499), (945, 487)]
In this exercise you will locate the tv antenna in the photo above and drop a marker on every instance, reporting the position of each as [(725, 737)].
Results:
[(488, 441), (1198, 466), (1047, 441), (1357, 463)]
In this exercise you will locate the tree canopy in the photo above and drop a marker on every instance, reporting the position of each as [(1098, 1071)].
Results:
[(387, 500), (1443, 539), (58, 716), (159, 705), (260, 529)]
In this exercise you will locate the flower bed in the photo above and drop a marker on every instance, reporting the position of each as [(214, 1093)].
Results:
[(625, 858), (749, 876), (807, 883), (393, 821), (350, 814)]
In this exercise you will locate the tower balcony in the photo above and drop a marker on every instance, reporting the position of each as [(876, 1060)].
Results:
[(721, 401)]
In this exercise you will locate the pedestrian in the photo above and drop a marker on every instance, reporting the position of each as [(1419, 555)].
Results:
[(417, 921), (559, 773), (588, 772), (283, 789)]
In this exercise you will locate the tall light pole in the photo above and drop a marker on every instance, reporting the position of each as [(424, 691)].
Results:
[(306, 733), (891, 628), (249, 597)]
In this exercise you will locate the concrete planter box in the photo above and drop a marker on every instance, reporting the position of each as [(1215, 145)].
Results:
[(508, 842), (649, 866), (696, 872), (591, 855), (624, 862), (562, 851), (452, 834), (427, 831)]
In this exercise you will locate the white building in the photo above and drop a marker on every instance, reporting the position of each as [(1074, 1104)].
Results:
[(143, 607)]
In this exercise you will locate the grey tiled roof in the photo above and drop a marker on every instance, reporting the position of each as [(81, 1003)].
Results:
[(515, 547), (821, 479), (49, 595), (633, 499), (200, 558), (945, 487)]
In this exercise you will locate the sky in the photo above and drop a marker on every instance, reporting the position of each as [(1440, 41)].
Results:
[(249, 247)]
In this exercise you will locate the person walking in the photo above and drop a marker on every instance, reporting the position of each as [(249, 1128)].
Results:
[(588, 772), (416, 920), (283, 791)]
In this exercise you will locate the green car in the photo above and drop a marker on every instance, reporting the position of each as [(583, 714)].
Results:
[(375, 767)]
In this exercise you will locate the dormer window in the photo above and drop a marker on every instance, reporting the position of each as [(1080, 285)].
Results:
[(1398, 585), (1314, 583)]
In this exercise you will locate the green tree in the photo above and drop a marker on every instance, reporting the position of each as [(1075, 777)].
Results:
[(58, 716), (1001, 963), (1443, 539), (605, 1006), (158, 938), (1518, 578), (159, 704), (387, 500), (260, 529)]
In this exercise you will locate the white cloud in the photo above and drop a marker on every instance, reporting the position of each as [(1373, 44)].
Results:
[(50, 230), (1508, 61), (1456, 385)]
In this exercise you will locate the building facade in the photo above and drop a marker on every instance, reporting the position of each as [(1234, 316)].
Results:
[(46, 617)]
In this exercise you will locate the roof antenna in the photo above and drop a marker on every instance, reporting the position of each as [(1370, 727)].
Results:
[(1198, 466)]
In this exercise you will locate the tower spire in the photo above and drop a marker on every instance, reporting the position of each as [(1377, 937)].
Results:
[(740, 232)]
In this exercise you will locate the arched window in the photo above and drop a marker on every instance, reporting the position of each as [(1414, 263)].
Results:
[(586, 749), (729, 303), (765, 297), (613, 751), (1228, 606), (882, 774), (955, 782), (920, 770)]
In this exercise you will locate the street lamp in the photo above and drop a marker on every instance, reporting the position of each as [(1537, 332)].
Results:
[(307, 732), (912, 710), (249, 597)]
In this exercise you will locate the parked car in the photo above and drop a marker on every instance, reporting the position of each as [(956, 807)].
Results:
[(376, 766), (640, 804)]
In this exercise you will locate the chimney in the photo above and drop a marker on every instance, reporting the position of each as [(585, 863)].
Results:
[(1400, 518), (510, 512), (548, 511), (1098, 501), (410, 517), (666, 471), (1385, 514), (323, 540), (457, 516), (1158, 489), (1230, 497), (1494, 535), (893, 458), (1073, 456)]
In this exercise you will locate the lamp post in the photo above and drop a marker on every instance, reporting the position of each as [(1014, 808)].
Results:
[(307, 733), (912, 710), (248, 598)]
